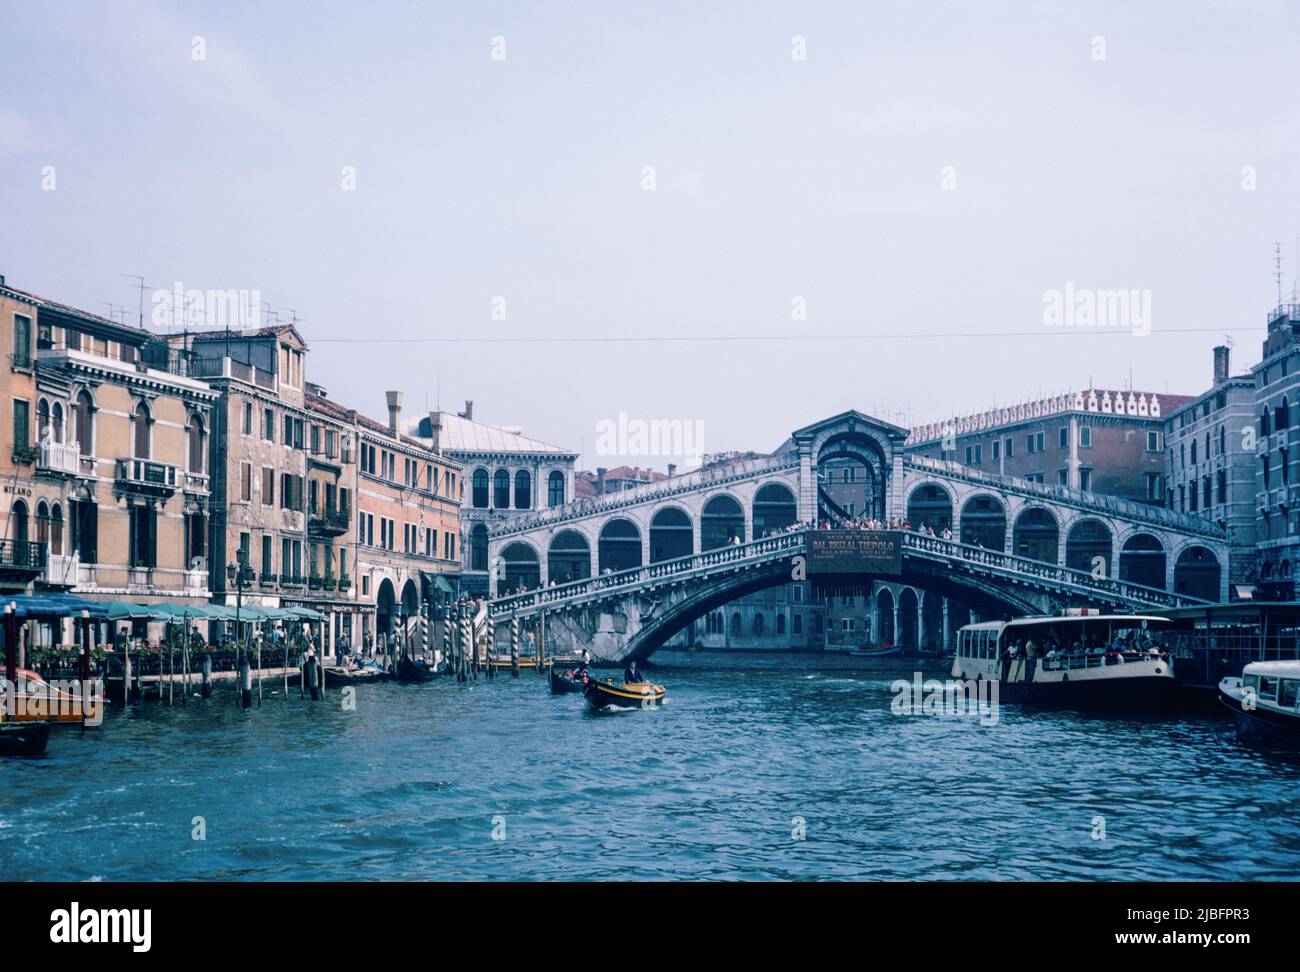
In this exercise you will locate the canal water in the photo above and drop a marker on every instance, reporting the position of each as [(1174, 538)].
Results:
[(773, 771)]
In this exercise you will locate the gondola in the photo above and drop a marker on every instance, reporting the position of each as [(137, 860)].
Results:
[(337, 675), (24, 738), (639, 695), (415, 671), (563, 683)]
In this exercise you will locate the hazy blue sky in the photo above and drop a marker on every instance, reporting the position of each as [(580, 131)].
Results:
[(775, 178)]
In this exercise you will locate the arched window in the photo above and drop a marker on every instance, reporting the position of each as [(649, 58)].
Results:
[(555, 489), (56, 420), (198, 444), (478, 547), (780, 624), (43, 421), (1263, 421), (758, 625), (19, 514), (479, 498), (1193, 452), (42, 523), (735, 623), (140, 423), (523, 490), (501, 490), (56, 529), (84, 423)]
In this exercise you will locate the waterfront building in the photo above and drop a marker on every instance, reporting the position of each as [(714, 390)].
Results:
[(1277, 450), (22, 558), (1095, 440), (259, 462), (408, 523), (1210, 470), (117, 477), (605, 481), (507, 474)]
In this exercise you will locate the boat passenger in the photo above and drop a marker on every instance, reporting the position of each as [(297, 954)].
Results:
[(631, 676)]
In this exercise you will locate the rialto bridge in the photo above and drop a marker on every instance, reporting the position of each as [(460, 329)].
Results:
[(620, 574)]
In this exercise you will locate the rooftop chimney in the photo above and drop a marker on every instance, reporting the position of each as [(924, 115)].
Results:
[(435, 430), (394, 412), (600, 480), (1221, 363), (672, 469), (469, 410)]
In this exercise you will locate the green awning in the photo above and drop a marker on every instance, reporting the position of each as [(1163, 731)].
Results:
[(438, 582)]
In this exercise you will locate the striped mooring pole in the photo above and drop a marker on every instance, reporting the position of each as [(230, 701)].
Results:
[(424, 631), (467, 642), (446, 637), (514, 645)]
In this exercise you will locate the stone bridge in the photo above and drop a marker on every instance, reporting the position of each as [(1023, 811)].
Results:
[(619, 574)]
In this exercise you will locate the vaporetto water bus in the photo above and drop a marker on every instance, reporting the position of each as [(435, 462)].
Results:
[(1083, 660), (1264, 703)]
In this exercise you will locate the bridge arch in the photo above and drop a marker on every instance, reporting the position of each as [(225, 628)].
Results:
[(774, 508), (1036, 535), (619, 545), (884, 633), (841, 446), (1088, 538), (672, 534), (1142, 560), (722, 522), (1197, 572), (930, 504), (521, 568), (984, 522), (909, 610), (385, 606), (568, 558)]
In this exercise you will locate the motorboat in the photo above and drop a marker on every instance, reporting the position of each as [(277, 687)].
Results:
[(1263, 703)]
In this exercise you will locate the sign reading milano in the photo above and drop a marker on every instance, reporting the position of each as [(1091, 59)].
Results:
[(855, 552)]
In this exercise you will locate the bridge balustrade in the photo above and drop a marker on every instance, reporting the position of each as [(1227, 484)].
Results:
[(667, 489)]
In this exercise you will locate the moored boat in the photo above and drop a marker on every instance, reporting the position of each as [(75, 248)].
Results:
[(23, 738), (565, 682), (1109, 662), (879, 651), (337, 675), (634, 695), (409, 670), (1263, 703)]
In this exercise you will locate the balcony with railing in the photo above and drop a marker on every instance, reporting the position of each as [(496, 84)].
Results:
[(60, 458), (147, 476), (196, 582), (61, 570), (329, 521), (22, 556), (205, 367)]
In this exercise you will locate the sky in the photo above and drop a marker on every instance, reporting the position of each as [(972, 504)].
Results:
[(741, 216)]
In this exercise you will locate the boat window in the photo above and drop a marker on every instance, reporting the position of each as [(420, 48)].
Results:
[(1251, 682), (1268, 686), (1286, 695)]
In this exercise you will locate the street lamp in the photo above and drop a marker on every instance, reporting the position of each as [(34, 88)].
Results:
[(240, 576)]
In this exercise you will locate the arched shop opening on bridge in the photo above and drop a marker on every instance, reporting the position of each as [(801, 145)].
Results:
[(519, 568), (1142, 561), (672, 535), (850, 476), (569, 558), (885, 615), (619, 546), (930, 506), (1036, 535), (722, 522), (1088, 540), (984, 523), (1196, 574), (908, 614), (774, 509)]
